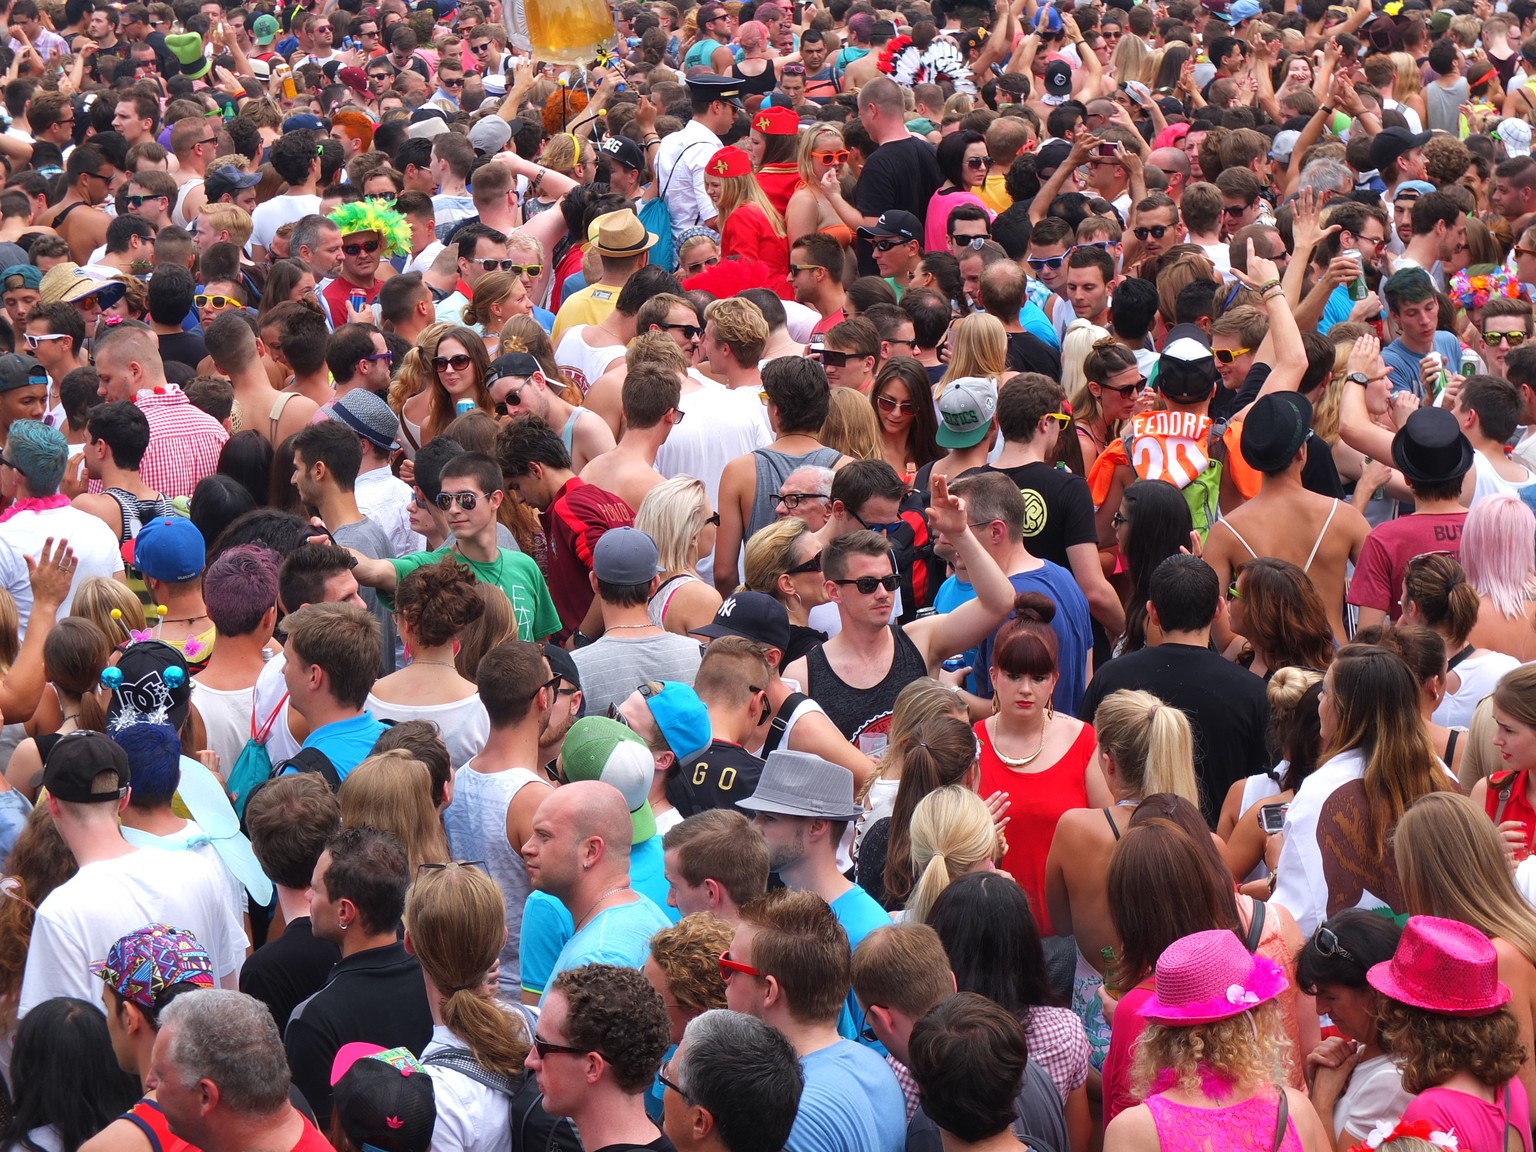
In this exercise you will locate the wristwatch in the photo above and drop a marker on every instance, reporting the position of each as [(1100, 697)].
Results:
[(1359, 378)]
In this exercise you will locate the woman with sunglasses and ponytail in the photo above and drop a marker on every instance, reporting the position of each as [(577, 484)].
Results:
[(1112, 380), (751, 228), (821, 151), (448, 365), (455, 925), (964, 162)]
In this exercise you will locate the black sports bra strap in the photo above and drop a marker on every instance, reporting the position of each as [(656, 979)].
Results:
[(1111, 820)]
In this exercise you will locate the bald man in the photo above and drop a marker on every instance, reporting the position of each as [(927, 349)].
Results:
[(1175, 165), (579, 855)]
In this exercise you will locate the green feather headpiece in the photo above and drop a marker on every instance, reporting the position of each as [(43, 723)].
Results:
[(369, 216)]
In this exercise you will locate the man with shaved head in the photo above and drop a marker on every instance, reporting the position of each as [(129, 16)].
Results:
[(579, 855), (1175, 165)]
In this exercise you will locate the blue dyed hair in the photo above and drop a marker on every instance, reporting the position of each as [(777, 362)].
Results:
[(39, 453), (154, 753)]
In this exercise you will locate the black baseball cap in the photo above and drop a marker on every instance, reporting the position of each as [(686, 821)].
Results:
[(754, 615), (902, 225), (75, 762)]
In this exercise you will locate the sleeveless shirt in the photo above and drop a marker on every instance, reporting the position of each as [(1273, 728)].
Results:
[(773, 468), (863, 715), (476, 823)]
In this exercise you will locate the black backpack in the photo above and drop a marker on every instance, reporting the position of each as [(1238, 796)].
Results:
[(533, 1129)]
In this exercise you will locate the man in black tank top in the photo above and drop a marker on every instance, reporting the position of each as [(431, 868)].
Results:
[(857, 674)]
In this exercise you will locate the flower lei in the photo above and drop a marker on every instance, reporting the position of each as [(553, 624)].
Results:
[(1475, 291), (367, 216), (1421, 1129)]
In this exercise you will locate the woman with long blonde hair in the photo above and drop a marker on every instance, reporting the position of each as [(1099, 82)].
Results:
[(751, 228), (821, 150), (978, 346), (918, 703), (851, 426), (783, 560), (392, 792), (1453, 864), (96, 597), (1408, 84), (676, 515), (74, 654), (455, 926), (447, 365), (1146, 748), (1080, 340), (952, 833), (1133, 60)]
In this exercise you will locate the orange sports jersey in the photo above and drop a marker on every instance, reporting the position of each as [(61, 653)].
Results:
[(1171, 446)]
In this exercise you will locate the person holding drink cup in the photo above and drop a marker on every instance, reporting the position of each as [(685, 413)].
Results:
[(370, 232), (1508, 796)]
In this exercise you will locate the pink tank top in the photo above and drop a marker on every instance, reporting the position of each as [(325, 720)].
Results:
[(1248, 1126)]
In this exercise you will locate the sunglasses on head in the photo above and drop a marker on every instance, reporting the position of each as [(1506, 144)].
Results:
[(203, 300), (836, 156), (1156, 231), (368, 246), (1513, 339), (458, 363), (867, 584), (893, 405), (465, 500), (978, 162), (1229, 355)]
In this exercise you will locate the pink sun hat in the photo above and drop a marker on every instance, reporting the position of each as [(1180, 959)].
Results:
[(1442, 966), (1210, 976)]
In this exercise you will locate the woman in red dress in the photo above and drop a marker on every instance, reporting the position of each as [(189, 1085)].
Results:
[(1043, 762), (751, 228)]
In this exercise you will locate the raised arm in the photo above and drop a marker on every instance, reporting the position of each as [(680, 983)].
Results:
[(968, 625)]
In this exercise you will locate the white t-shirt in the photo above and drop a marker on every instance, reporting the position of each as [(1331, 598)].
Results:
[(584, 362), (1480, 675), (272, 692), (94, 545), (471, 1117), (386, 500), (274, 213), (1375, 1093), (463, 724), (226, 714), (105, 900)]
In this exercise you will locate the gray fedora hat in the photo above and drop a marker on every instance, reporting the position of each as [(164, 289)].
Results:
[(800, 784)]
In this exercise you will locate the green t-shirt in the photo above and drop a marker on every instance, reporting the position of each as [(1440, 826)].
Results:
[(514, 573)]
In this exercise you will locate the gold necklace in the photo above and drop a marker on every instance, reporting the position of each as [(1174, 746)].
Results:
[(1019, 762)]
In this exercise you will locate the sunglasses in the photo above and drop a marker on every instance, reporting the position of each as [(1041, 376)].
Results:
[(1119, 521), (1125, 391), (1326, 941), (379, 357), (480, 49), (1235, 210), (894, 406), (729, 967), (458, 363), (833, 359), (792, 500), (1041, 264), (977, 163), (866, 1029), (529, 270), (1061, 418), (107, 179), (887, 245), (545, 1049), (1229, 355), (689, 331), (34, 341), (465, 500), (496, 265), (368, 246), (1156, 231), (1513, 339), (137, 201), (975, 243), (708, 262), (381, 197), (447, 83), (867, 584), (433, 866), (202, 300), (664, 1075), (796, 269), (792, 70)]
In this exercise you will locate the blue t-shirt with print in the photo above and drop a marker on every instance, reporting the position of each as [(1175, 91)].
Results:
[(1403, 363)]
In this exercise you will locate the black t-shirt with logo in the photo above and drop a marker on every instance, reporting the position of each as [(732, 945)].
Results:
[(716, 778), (1058, 509)]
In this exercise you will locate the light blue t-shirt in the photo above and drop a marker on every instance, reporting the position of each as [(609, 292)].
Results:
[(851, 1103), (620, 935), (646, 875), (347, 743), (1403, 364), (860, 914), (1034, 321), (547, 925)]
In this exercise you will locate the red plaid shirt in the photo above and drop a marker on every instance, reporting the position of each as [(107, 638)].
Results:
[(184, 441)]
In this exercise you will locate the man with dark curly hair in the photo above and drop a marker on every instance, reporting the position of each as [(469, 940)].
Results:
[(601, 1035)]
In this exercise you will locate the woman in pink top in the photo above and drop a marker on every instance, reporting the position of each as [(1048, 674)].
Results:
[(964, 163), (1209, 1058), (1445, 1018)]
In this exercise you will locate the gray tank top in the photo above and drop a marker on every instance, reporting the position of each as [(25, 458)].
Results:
[(476, 823), (773, 467)]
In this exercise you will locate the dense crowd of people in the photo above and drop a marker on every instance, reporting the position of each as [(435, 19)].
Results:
[(732, 577)]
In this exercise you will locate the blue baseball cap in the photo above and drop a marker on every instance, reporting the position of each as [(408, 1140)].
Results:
[(1048, 20), (1241, 10), (170, 548), (680, 715)]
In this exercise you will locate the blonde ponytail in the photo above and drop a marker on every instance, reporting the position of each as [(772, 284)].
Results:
[(952, 833), (1150, 742)]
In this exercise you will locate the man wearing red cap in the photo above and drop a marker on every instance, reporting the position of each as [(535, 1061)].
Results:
[(778, 179)]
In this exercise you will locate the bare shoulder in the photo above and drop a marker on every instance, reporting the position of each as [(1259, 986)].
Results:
[(1132, 1131)]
